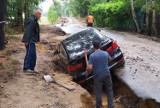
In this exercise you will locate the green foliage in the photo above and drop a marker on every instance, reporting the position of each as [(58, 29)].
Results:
[(94, 2), (54, 12), (114, 15), (79, 7), (52, 15), (17, 8)]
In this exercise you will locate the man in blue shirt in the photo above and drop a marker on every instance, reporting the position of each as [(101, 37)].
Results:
[(98, 62)]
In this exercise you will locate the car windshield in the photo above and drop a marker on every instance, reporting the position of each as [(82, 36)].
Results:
[(76, 43)]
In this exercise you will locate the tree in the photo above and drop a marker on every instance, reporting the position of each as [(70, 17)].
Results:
[(154, 28), (54, 12), (26, 9), (147, 18), (79, 7), (134, 16), (3, 7), (19, 19), (52, 15), (19, 10), (114, 15)]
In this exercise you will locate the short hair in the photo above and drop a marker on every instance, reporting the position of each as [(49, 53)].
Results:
[(37, 10), (96, 44)]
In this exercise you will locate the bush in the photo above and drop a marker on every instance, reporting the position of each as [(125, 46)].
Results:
[(114, 15)]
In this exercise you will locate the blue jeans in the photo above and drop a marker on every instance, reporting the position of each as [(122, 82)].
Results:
[(106, 82), (30, 58)]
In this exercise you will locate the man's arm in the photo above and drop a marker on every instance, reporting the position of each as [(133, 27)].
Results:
[(89, 67), (28, 30), (110, 58)]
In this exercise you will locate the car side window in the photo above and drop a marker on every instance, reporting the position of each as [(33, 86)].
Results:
[(63, 52)]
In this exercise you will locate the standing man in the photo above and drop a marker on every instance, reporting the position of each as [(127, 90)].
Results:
[(90, 21), (98, 61), (30, 38)]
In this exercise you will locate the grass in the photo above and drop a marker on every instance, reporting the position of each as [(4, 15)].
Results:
[(13, 37), (10, 69), (10, 34)]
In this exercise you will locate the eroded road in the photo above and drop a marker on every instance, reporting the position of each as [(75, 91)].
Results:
[(141, 74), (142, 68)]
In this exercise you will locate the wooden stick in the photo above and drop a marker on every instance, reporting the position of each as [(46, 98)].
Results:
[(85, 55)]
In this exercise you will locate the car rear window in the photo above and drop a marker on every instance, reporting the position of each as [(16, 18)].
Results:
[(76, 43)]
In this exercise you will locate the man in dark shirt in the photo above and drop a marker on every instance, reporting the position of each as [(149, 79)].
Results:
[(98, 61), (30, 37)]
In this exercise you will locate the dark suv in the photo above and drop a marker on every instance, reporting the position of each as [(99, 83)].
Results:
[(71, 52)]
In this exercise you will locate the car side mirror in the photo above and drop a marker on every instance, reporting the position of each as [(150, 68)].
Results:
[(56, 52)]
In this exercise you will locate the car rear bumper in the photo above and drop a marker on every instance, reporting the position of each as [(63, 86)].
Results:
[(118, 63), (118, 60)]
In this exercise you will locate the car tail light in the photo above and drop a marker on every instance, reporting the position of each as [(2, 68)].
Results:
[(112, 47), (74, 67)]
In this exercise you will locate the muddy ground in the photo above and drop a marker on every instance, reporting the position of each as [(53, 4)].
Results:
[(20, 90)]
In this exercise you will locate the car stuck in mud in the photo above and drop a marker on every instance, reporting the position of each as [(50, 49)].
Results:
[(71, 53)]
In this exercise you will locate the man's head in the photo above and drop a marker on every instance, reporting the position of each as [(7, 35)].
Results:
[(96, 44), (37, 13)]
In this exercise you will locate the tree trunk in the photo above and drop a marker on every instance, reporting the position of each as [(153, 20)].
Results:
[(154, 28), (158, 24), (147, 18), (134, 17), (3, 6), (26, 9), (19, 21)]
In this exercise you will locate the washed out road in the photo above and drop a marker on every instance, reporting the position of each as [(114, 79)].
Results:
[(141, 72), (142, 67)]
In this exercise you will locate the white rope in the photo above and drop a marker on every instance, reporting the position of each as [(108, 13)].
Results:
[(2, 22)]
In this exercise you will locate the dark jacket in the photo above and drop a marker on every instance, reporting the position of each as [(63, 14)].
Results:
[(31, 30)]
